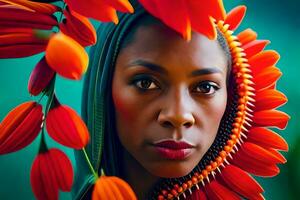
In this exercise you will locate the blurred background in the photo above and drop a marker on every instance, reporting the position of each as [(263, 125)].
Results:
[(275, 20)]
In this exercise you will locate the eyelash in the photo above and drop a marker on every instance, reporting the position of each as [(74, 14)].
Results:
[(138, 83), (211, 87)]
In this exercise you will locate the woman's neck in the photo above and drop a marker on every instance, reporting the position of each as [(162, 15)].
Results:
[(138, 178)]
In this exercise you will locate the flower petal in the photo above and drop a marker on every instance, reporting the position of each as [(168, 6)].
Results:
[(254, 165), (247, 36), (79, 28), (114, 188), (255, 47), (67, 57), (20, 127), (269, 99), (216, 191), (21, 50), (241, 182), (271, 118), (15, 14), (11, 39), (45, 8), (40, 77), (42, 179), (91, 9), (266, 78), (51, 171), (66, 127), (266, 138), (120, 5), (263, 60), (235, 17)]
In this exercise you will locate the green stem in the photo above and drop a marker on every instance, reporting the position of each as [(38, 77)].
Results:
[(90, 164)]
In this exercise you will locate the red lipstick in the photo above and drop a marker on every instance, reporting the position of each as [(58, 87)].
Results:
[(173, 150)]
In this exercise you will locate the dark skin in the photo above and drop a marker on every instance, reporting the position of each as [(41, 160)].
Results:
[(167, 88)]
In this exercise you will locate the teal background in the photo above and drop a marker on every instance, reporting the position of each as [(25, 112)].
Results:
[(276, 20)]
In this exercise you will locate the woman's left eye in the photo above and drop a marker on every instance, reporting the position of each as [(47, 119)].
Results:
[(207, 88)]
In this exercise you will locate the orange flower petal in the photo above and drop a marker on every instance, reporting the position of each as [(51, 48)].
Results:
[(235, 17), (79, 28), (51, 171), (120, 5), (67, 57), (109, 187), (216, 191), (247, 36), (269, 99), (92, 8), (66, 127), (263, 60), (241, 182), (255, 47), (20, 127), (40, 77), (266, 78), (271, 118), (266, 138)]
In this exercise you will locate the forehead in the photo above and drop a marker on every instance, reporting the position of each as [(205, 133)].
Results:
[(159, 44)]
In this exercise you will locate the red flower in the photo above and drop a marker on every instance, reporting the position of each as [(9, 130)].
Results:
[(186, 15), (40, 77), (51, 171), (252, 147), (113, 188), (79, 28), (66, 56), (66, 127), (20, 127), (103, 10)]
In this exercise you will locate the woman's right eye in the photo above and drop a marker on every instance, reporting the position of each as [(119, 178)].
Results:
[(145, 84)]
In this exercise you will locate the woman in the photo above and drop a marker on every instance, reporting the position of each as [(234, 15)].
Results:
[(160, 110)]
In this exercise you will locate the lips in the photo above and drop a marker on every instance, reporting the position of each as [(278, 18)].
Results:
[(173, 150)]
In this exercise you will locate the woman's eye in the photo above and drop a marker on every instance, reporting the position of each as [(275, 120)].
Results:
[(146, 84), (207, 88)]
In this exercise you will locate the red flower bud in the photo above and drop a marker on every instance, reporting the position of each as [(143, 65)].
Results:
[(20, 127), (40, 77), (51, 171), (66, 127)]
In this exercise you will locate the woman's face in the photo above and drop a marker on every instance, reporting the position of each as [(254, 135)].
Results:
[(169, 97)]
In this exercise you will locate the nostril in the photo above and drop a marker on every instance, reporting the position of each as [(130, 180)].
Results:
[(167, 124), (187, 124)]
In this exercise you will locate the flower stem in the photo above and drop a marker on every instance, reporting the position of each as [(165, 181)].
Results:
[(90, 164)]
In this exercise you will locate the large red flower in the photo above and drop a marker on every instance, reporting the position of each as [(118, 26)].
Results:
[(252, 147), (51, 171), (186, 15), (20, 127)]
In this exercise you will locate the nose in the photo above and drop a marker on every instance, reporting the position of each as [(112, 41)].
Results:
[(177, 111)]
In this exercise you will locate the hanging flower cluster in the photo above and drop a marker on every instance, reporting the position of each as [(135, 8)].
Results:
[(63, 31), (31, 27)]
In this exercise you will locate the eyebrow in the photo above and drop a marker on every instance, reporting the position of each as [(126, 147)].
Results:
[(160, 69)]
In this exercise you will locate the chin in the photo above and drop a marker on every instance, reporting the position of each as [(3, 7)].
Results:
[(172, 170)]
